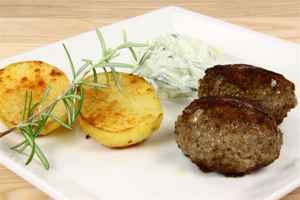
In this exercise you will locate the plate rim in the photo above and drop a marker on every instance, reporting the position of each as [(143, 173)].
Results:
[(38, 182)]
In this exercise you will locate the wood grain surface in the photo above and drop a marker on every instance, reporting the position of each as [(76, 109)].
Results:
[(27, 24)]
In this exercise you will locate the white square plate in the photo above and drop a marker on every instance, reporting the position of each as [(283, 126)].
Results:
[(157, 170)]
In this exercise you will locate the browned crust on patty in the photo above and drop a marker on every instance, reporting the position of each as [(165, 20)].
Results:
[(232, 136), (229, 109), (228, 173), (246, 76), (273, 91)]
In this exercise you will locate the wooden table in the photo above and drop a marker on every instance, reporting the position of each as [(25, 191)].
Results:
[(27, 24)]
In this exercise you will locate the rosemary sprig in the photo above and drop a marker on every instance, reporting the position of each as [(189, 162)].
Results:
[(139, 61), (36, 114)]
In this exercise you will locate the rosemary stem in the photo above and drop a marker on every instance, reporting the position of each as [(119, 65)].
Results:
[(36, 114), (7, 131), (101, 63), (74, 84)]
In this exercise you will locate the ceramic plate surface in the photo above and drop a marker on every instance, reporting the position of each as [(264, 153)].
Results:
[(157, 170)]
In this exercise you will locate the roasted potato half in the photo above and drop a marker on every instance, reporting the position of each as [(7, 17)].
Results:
[(120, 117), (34, 76)]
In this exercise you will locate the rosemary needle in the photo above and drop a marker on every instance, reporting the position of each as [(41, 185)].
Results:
[(35, 114)]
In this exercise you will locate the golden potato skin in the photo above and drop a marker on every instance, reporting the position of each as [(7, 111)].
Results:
[(120, 118), (35, 76)]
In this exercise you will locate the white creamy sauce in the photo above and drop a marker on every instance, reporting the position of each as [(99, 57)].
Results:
[(176, 62)]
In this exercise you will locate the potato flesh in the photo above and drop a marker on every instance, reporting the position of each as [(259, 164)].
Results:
[(121, 118), (33, 76)]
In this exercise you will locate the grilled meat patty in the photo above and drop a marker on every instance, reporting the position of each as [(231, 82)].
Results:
[(273, 91), (228, 135)]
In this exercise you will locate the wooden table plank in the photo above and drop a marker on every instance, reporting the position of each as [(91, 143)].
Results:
[(18, 35), (27, 24), (126, 8)]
